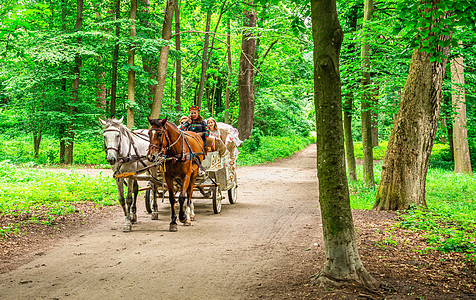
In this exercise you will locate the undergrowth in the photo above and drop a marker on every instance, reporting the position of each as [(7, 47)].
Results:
[(26, 194), (448, 223)]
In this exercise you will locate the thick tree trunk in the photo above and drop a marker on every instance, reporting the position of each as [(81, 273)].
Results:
[(115, 60), (245, 76), (131, 74), (366, 115), (75, 94), (342, 257), (100, 84), (460, 133), (406, 161), (203, 73), (163, 59), (349, 143), (178, 62), (230, 71)]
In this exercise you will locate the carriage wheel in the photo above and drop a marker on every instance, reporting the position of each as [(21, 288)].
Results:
[(147, 201), (216, 200), (232, 194)]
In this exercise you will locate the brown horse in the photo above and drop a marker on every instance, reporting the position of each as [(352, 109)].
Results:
[(183, 152)]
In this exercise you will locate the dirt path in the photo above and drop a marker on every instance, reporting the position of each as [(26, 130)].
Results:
[(267, 239)]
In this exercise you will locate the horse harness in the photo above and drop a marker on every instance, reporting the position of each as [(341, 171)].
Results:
[(128, 158)]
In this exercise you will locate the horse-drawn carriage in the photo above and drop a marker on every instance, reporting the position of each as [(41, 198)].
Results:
[(173, 164)]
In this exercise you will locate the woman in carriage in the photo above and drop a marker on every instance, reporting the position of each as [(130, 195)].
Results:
[(196, 123)]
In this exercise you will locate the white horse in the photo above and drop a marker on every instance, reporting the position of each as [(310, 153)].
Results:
[(125, 152)]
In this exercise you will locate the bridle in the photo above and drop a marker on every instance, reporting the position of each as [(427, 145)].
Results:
[(165, 136), (120, 140), (128, 156)]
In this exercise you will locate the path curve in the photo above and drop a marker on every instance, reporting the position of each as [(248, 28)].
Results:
[(269, 238)]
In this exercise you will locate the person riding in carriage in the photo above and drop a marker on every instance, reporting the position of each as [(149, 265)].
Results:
[(196, 123)]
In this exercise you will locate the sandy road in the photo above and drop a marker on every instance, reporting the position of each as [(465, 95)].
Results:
[(244, 252)]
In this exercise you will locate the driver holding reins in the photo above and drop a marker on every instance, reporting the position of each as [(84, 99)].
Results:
[(196, 123)]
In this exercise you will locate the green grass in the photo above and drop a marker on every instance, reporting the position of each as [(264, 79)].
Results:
[(27, 194), (270, 148), (448, 223)]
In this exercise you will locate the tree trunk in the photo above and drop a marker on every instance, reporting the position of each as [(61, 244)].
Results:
[(115, 60), (178, 62), (406, 161), (245, 75), (36, 142), (75, 93), (163, 58), (203, 73), (460, 133), (230, 71), (131, 74), (342, 257), (349, 143), (366, 115), (447, 124)]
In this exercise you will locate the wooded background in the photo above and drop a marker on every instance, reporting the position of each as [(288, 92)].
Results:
[(64, 64)]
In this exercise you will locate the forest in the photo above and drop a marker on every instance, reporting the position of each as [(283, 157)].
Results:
[(392, 93)]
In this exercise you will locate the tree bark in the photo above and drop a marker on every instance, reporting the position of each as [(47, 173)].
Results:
[(374, 116), (163, 58), (203, 73), (178, 62), (230, 71), (349, 143), (366, 114), (343, 262), (460, 134), (100, 84), (245, 75), (115, 60), (131, 74), (75, 92), (405, 165)]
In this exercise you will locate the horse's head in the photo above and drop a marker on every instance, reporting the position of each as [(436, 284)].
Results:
[(112, 139), (158, 138)]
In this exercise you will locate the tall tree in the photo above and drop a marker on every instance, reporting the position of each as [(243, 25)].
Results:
[(131, 74), (178, 61), (203, 73), (75, 92), (460, 133), (366, 114), (342, 257), (115, 59), (230, 71), (405, 165), (246, 72), (163, 59)]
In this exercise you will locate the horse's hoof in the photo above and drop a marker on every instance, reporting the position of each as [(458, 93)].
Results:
[(187, 222), (133, 218), (173, 228), (127, 228), (192, 218), (154, 216)]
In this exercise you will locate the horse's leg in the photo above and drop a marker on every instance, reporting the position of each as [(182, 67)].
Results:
[(155, 211), (190, 207), (134, 201), (184, 215), (120, 192), (130, 186), (173, 222)]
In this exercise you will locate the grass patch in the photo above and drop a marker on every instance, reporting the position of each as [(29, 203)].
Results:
[(448, 224), (261, 149), (26, 194)]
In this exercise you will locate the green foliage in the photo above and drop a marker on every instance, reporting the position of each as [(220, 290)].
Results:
[(28, 193), (449, 221), (270, 148)]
